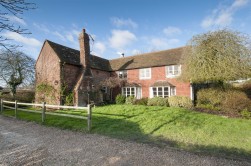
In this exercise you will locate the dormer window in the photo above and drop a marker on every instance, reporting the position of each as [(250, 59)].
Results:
[(122, 74), (173, 70)]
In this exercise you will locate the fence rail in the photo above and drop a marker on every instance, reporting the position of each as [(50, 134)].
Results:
[(43, 111)]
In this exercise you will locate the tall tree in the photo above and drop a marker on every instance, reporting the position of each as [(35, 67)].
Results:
[(16, 68), (12, 9), (216, 57)]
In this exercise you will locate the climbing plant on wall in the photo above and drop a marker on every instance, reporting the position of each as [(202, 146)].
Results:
[(46, 93)]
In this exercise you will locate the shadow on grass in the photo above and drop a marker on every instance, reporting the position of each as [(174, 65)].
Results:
[(120, 115), (130, 131)]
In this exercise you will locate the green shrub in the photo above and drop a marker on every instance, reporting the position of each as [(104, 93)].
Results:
[(180, 101), (158, 101), (211, 96), (21, 96), (246, 87), (69, 99), (130, 100), (246, 114), (235, 101), (142, 101), (120, 99), (229, 101)]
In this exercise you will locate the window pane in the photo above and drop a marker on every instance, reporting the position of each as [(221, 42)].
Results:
[(170, 70), (166, 92), (125, 74), (173, 91), (132, 91), (154, 92), (160, 91)]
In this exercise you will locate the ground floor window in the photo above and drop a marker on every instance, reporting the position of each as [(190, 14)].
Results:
[(163, 91), (132, 91)]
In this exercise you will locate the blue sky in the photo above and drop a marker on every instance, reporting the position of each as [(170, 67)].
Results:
[(129, 26)]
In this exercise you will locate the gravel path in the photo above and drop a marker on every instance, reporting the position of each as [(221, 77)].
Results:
[(27, 143)]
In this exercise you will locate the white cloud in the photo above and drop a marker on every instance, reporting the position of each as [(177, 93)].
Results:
[(119, 22), (121, 39), (31, 46), (59, 35), (223, 16), (99, 48), (70, 37), (41, 27), (15, 19), (135, 52), (23, 40), (170, 31), (162, 43)]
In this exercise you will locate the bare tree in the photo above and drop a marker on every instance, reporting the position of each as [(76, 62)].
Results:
[(16, 68), (9, 9)]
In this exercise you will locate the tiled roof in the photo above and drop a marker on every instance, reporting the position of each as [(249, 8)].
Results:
[(65, 54), (153, 59), (71, 56), (161, 83)]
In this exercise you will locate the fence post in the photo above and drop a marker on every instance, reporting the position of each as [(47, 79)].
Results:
[(15, 108), (89, 118), (43, 111), (1, 105)]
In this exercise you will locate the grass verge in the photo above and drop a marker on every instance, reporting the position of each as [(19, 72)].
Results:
[(176, 127)]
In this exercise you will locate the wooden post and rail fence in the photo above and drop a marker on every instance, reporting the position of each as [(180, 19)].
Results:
[(43, 112)]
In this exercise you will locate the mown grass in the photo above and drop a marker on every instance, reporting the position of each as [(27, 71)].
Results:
[(193, 131)]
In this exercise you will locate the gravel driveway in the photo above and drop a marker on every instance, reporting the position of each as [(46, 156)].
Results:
[(27, 143)]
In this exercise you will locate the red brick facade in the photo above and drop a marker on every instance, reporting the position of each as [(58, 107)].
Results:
[(68, 70), (157, 74), (48, 72)]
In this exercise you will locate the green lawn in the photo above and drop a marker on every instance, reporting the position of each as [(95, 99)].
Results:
[(189, 130)]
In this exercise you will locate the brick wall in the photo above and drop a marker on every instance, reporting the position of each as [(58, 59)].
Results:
[(157, 74), (48, 72), (70, 74)]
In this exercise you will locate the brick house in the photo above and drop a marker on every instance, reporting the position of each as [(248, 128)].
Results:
[(80, 72)]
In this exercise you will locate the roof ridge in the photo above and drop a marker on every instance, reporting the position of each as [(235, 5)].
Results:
[(148, 53), (49, 41)]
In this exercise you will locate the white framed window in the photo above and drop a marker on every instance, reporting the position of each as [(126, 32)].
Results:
[(122, 74), (132, 91), (173, 70), (145, 73), (163, 91)]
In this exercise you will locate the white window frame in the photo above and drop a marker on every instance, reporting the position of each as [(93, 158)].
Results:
[(123, 73), (124, 91), (170, 92), (168, 75), (142, 73)]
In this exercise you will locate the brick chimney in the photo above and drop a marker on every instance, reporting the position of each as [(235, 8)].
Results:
[(85, 53)]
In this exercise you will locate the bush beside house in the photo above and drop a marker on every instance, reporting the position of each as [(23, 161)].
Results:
[(120, 99), (230, 102), (180, 101), (21, 96)]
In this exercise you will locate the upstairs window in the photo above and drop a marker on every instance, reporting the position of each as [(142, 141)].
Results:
[(122, 74), (145, 73), (173, 70)]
